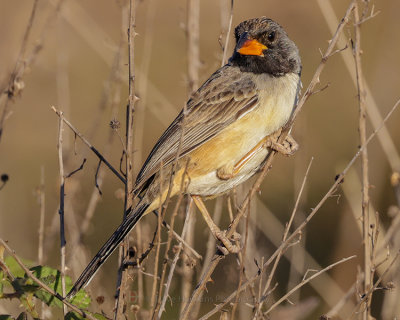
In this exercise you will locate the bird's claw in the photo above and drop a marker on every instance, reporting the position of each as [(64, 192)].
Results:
[(227, 246), (288, 147)]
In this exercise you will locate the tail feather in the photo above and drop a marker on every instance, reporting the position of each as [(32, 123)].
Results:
[(108, 248)]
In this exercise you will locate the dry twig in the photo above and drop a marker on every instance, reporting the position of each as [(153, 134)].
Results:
[(90, 146), (286, 232), (305, 281), (367, 237), (61, 208), (122, 284), (178, 250)]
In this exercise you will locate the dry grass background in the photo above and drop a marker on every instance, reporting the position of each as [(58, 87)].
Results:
[(70, 72)]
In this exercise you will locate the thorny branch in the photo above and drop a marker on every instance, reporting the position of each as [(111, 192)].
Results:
[(61, 209), (367, 237), (125, 276)]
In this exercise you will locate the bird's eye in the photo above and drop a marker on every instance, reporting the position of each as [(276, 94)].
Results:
[(271, 36)]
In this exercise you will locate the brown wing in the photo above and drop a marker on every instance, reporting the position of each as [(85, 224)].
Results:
[(226, 96)]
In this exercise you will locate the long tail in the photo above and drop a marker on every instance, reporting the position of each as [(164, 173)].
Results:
[(108, 248)]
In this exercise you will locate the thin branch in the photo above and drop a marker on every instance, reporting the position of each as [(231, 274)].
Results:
[(368, 265), (61, 208), (96, 178), (142, 86), (242, 258), (193, 65), (209, 251), (285, 234), (89, 145), (305, 281), (122, 283), (175, 261), (224, 57), (349, 294), (366, 296), (179, 238), (166, 256), (42, 198), (76, 170)]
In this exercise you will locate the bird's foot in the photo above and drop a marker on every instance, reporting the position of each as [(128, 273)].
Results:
[(227, 245), (288, 147)]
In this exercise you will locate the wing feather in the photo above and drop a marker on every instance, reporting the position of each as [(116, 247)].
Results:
[(226, 96)]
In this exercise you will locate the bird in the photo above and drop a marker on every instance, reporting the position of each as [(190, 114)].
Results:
[(223, 135)]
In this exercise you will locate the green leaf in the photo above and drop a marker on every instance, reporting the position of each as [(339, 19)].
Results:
[(81, 299), (24, 285), (15, 268), (52, 278), (6, 317), (29, 305), (99, 316)]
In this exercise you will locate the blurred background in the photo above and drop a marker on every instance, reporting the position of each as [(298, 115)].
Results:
[(79, 71)]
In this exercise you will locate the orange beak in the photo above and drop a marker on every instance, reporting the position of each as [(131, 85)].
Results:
[(252, 48)]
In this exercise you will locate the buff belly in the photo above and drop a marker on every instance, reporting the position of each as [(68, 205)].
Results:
[(275, 106), (209, 184)]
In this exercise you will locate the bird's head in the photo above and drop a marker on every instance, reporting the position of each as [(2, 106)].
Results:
[(262, 46)]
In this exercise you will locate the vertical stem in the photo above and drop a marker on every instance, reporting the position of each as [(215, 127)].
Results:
[(368, 267), (42, 200), (193, 48), (242, 259), (185, 230), (217, 213), (122, 285), (193, 64), (224, 57), (187, 269), (140, 113), (61, 209)]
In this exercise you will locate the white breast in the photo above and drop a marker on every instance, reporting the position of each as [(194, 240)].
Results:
[(276, 101), (277, 97)]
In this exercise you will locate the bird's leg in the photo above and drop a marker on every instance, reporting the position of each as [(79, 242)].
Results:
[(287, 148), (215, 230)]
